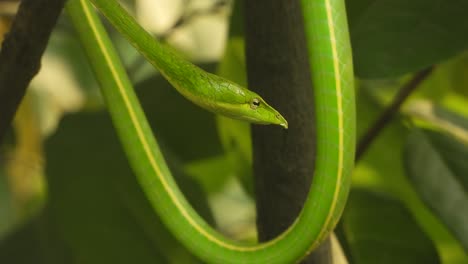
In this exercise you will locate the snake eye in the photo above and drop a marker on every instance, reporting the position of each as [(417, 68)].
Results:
[(255, 103)]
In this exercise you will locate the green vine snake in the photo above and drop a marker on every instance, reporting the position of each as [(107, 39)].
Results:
[(330, 57)]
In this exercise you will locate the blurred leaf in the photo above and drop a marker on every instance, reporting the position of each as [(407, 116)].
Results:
[(234, 212), (378, 229), (236, 24), (232, 66), (7, 214), (395, 37), (64, 45), (233, 208), (138, 68), (63, 63), (452, 117), (436, 180), (25, 164), (381, 169), (453, 76), (235, 134), (211, 173), (380, 166), (120, 215), (445, 85), (435, 116), (338, 254), (22, 183), (188, 130), (95, 203), (35, 242), (454, 153)]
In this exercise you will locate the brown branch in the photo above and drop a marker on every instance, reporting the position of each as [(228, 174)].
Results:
[(390, 112), (21, 53)]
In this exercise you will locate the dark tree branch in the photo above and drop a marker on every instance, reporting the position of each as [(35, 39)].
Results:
[(390, 112), (283, 159), (21, 53)]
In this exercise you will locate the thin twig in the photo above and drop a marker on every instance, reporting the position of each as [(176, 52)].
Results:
[(390, 112), (22, 49)]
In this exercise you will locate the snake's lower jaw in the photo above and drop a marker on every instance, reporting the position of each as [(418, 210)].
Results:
[(281, 121), (277, 120), (284, 125)]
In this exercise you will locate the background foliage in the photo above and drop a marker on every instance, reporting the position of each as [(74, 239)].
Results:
[(67, 194)]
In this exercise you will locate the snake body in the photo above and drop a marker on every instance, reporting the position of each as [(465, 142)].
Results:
[(330, 56)]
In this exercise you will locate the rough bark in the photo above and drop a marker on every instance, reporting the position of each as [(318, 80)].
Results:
[(22, 49), (278, 69)]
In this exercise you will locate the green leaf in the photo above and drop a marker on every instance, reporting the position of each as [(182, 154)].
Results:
[(431, 115), (35, 242), (236, 23), (438, 181), (7, 213), (237, 143), (454, 153), (459, 77), (235, 135), (381, 169), (188, 130), (379, 229), (452, 117), (64, 46), (211, 173), (97, 204), (395, 37)]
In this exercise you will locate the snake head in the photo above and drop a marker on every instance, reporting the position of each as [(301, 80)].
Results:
[(252, 108), (247, 105), (259, 112), (236, 102)]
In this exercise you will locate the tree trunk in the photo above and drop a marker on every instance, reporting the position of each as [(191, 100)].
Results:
[(278, 69)]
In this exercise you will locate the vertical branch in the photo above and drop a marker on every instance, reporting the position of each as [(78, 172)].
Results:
[(21, 53), (278, 70)]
